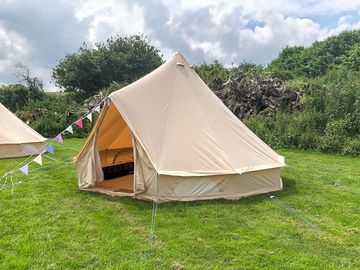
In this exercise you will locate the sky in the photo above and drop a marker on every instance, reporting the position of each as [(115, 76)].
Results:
[(39, 33)]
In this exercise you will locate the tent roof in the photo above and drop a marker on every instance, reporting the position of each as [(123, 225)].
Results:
[(15, 131), (185, 129)]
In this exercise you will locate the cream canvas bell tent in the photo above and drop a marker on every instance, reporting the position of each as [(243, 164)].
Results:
[(16, 138), (167, 137)]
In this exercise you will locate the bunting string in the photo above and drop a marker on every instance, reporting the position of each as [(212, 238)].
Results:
[(58, 166), (23, 167), (19, 174)]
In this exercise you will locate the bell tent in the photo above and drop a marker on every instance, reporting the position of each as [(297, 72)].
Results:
[(167, 137), (16, 138)]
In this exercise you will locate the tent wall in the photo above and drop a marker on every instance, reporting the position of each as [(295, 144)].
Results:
[(175, 188), (17, 139), (145, 175), (88, 165), (21, 150)]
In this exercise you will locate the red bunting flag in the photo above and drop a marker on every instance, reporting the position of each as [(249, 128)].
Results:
[(79, 123)]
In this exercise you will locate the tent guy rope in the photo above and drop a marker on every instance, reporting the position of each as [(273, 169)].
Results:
[(58, 166), (293, 212), (153, 220)]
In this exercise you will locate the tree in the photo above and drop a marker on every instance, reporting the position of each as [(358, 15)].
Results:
[(16, 96), (34, 85), (316, 60), (119, 59), (213, 74)]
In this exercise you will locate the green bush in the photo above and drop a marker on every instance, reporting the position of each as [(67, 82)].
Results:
[(53, 114), (352, 147)]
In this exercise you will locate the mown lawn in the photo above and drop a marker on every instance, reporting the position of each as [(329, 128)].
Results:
[(47, 223)]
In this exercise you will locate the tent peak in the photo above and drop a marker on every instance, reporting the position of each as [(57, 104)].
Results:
[(180, 60)]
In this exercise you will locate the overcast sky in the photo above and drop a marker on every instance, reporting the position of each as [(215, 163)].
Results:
[(40, 32)]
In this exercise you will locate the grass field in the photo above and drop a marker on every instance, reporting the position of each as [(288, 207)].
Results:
[(47, 223)]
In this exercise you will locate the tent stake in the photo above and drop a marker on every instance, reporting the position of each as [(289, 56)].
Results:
[(153, 219)]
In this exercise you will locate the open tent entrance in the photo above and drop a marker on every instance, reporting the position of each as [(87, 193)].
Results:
[(115, 145)]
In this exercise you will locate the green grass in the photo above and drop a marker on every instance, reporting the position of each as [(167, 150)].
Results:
[(47, 223)]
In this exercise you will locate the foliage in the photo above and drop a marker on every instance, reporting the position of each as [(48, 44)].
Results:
[(14, 97), (318, 59), (329, 120), (34, 84), (73, 229), (53, 114), (119, 59), (215, 74)]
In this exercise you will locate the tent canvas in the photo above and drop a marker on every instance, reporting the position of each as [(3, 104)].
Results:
[(16, 138), (183, 142)]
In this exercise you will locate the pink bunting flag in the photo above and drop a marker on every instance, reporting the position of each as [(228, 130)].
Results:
[(59, 138), (79, 123)]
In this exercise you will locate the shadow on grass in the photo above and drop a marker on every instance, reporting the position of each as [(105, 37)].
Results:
[(289, 188)]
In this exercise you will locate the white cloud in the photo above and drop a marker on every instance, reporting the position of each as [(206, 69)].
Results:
[(224, 29), (108, 18), (4, 2), (13, 49)]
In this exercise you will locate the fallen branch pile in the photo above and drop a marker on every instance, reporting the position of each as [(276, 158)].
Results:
[(244, 96)]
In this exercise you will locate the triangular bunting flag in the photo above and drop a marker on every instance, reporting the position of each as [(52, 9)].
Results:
[(97, 109), (69, 129), (38, 159), (59, 138), (25, 169), (89, 116), (50, 149), (79, 123)]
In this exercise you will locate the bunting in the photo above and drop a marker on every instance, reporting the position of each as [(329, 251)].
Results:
[(50, 149), (25, 169), (38, 160), (70, 129), (89, 116), (79, 123), (59, 138)]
